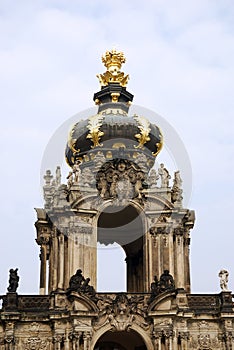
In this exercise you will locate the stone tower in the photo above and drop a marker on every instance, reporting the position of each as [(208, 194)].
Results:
[(114, 193)]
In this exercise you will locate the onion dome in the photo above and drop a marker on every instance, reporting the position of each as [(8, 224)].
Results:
[(112, 130)]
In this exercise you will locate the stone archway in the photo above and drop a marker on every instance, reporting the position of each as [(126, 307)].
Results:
[(125, 226), (124, 340)]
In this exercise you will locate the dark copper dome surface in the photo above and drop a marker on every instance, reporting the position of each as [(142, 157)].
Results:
[(111, 131)]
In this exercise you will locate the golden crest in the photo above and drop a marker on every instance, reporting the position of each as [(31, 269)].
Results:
[(113, 58), (144, 127), (72, 141), (113, 61), (93, 126), (159, 145)]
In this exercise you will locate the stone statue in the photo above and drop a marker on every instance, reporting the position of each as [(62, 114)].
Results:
[(166, 281), (177, 179), (76, 281), (48, 177), (176, 192), (86, 288), (154, 286), (154, 289), (70, 179), (58, 176), (223, 274), (48, 189), (76, 170), (153, 178), (102, 186), (138, 184), (79, 284), (113, 186), (165, 176), (13, 281)]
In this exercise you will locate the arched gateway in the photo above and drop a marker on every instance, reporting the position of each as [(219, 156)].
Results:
[(125, 340), (114, 193)]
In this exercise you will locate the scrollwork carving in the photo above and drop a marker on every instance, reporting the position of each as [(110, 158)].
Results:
[(121, 311), (122, 180), (204, 341), (35, 343)]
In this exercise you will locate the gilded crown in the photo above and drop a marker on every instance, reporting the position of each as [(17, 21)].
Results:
[(113, 58), (113, 61)]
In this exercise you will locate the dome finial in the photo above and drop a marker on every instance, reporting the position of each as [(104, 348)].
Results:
[(113, 61)]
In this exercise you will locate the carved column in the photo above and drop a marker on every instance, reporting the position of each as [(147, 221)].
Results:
[(180, 257), (66, 339), (57, 340), (187, 262), (184, 336), (171, 255), (9, 342), (54, 264), (66, 344), (87, 337), (43, 241), (175, 343), (75, 339), (154, 258), (165, 245), (170, 342), (43, 270), (157, 335), (66, 264), (145, 285), (71, 248), (167, 342), (9, 336), (160, 255), (60, 261), (228, 338)]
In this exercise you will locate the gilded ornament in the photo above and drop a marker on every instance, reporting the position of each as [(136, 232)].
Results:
[(113, 61), (72, 141), (115, 96), (113, 58), (159, 145), (144, 126), (95, 122), (118, 145)]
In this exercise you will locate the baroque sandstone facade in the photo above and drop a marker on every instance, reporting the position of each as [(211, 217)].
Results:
[(113, 194)]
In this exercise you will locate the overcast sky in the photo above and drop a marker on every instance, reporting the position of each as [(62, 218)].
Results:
[(180, 57)]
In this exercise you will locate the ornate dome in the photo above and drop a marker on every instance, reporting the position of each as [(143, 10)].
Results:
[(112, 130)]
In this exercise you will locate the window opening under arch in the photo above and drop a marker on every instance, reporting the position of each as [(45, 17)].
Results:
[(120, 226)]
